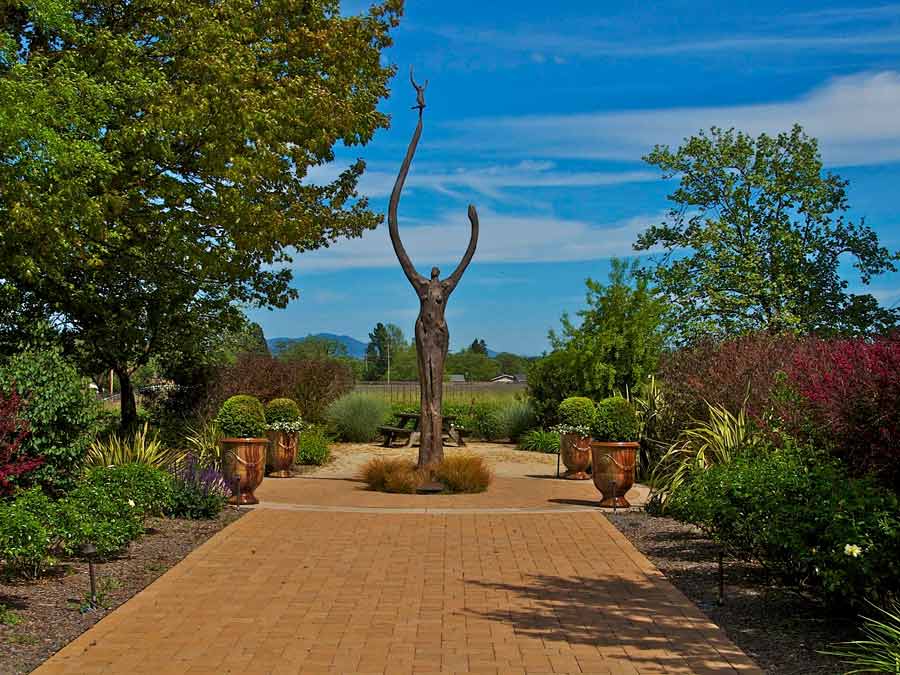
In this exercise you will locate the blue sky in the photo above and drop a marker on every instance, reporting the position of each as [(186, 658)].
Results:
[(539, 116)]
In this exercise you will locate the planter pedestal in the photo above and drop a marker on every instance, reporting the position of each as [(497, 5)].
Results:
[(244, 463), (282, 451), (614, 471), (576, 455)]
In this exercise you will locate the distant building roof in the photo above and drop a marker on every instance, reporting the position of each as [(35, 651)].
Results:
[(521, 377), (504, 377), (457, 378)]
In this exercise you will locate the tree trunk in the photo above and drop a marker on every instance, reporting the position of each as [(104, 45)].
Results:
[(128, 419)]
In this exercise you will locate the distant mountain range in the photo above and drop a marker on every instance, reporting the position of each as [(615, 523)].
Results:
[(355, 348)]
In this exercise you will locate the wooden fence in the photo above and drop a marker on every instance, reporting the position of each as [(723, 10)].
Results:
[(454, 392)]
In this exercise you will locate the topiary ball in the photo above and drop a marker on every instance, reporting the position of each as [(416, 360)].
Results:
[(577, 411), (282, 410), (242, 416), (616, 420)]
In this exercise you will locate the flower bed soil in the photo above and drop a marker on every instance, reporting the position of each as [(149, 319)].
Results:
[(42, 616), (782, 631)]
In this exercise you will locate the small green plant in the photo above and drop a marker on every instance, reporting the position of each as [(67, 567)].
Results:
[(242, 416), (312, 447), (516, 418), (615, 421), (356, 417), (106, 586), (26, 534), (538, 440), (144, 447), (464, 472), (9, 617), (879, 650), (282, 410)]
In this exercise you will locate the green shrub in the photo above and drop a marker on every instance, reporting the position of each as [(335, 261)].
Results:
[(464, 472), (26, 535), (312, 447), (62, 413), (143, 447), (616, 420), (203, 443), (482, 420), (577, 412), (242, 416), (516, 417), (149, 487), (198, 491), (538, 440), (356, 417), (551, 379), (282, 410), (800, 516)]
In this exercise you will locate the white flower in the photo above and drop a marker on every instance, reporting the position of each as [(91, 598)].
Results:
[(852, 550), (131, 502)]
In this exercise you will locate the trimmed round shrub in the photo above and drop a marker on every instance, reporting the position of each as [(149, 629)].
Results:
[(577, 411), (356, 417), (242, 416), (616, 420), (516, 418), (282, 410)]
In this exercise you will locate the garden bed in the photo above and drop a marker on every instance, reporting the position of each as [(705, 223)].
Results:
[(42, 616), (779, 629)]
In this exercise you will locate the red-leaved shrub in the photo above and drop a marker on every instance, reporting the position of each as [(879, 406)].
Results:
[(724, 373), (851, 390), (13, 431), (313, 383)]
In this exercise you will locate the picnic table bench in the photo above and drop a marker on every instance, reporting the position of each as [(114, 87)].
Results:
[(411, 432)]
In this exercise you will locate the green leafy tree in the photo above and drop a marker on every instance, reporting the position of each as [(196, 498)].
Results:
[(621, 336), (155, 157), (755, 237), (385, 341), (512, 364), (314, 347), (476, 366), (478, 346)]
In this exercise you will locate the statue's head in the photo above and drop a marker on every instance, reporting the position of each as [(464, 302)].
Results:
[(435, 273)]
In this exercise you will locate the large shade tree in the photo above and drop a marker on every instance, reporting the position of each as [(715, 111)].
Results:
[(756, 237), (155, 159)]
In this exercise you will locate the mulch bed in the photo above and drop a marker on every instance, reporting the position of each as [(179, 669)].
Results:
[(779, 629), (47, 613)]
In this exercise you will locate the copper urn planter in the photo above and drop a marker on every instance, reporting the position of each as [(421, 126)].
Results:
[(576, 455), (244, 464), (614, 471), (282, 451)]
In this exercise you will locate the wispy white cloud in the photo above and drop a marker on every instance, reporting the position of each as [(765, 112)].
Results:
[(855, 118), (488, 180), (503, 239)]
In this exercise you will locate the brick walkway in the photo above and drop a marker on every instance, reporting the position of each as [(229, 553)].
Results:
[(299, 591)]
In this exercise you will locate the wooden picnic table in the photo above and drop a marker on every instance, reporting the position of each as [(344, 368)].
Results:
[(412, 431)]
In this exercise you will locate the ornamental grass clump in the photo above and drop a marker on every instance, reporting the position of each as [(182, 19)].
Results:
[(538, 440), (356, 417), (879, 650), (143, 447), (516, 418), (391, 475), (464, 472), (242, 416)]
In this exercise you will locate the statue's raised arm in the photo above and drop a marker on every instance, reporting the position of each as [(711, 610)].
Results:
[(454, 278)]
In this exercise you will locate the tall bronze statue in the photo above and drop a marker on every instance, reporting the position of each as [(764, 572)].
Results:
[(432, 335)]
